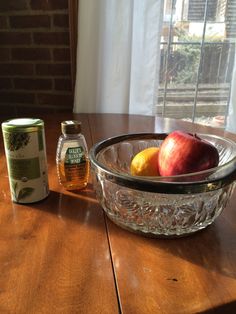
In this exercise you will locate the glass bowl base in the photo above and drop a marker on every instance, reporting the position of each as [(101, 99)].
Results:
[(161, 215)]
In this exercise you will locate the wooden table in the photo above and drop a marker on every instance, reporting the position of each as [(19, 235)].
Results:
[(62, 255)]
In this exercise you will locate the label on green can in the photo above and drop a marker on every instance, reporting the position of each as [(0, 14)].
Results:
[(24, 143)]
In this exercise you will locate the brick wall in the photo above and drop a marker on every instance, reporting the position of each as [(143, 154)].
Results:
[(35, 67)]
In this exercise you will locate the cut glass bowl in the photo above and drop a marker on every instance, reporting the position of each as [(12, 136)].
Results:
[(160, 206)]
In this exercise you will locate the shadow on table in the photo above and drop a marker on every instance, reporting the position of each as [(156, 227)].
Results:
[(228, 308), (76, 206)]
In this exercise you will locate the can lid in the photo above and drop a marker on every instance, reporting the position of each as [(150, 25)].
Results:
[(71, 127), (22, 124)]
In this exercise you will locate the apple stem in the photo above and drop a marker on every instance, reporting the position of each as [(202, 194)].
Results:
[(196, 136)]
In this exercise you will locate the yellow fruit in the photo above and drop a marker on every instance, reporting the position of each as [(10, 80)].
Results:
[(145, 163)]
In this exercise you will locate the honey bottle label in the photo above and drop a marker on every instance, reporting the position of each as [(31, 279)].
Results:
[(75, 163)]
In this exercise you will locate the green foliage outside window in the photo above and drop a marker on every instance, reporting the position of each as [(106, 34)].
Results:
[(185, 58)]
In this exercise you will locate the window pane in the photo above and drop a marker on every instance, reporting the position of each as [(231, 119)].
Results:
[(197, 58)]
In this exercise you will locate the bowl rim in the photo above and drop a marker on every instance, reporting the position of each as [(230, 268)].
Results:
[(160, 184)]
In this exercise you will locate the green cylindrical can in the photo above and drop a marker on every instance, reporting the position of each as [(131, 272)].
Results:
[(24, 142)]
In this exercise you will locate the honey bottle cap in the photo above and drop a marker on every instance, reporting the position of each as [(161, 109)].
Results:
[(71, 127)]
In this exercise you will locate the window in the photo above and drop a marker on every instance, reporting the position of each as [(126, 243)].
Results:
[(197, 58)]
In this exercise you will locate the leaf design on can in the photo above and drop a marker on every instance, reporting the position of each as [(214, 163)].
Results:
[(25, 192), (15, 141)]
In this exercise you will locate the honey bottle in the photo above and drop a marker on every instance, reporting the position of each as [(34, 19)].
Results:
[(72, 157)]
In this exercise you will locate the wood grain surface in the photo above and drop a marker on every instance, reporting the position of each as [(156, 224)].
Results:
[(62, 255), (54, 254)]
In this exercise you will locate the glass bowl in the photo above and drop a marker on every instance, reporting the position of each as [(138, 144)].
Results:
[(160, 206)]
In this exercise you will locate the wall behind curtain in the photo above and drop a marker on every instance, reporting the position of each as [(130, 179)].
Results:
[(35, 65)]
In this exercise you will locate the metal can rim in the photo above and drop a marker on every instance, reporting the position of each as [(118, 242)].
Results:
[(9, 126)]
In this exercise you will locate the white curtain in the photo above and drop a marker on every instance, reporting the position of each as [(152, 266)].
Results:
[(231, 120), (118, 56)]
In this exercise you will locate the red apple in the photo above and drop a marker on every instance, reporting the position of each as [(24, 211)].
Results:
[(182, 153)]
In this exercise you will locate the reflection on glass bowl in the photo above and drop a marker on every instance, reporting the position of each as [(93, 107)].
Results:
[(160, 206)]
